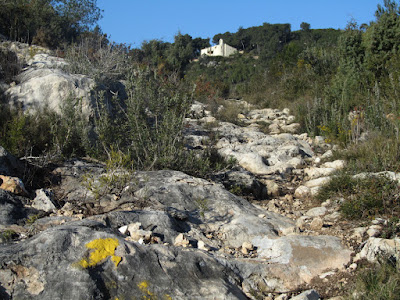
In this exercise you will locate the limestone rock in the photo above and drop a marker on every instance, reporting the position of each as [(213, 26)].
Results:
[(358, 233), (374, 230), (316, 211), (13, 185), (337, 164), (52, 87), (307, 295), (314, 173), (136, 233), (181, 241), (376, 247), (302, 192), (316, 223), (293, 260), (61, 255), (317, 182), (9, 165), (247, 247), (14, 209), (203, 246), (292, 128), (44, 200)]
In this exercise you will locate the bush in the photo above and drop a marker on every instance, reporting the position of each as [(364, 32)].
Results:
[(26, 134), (154, 121), (381, 282), (96, 57), (377, 153), (366, 197)]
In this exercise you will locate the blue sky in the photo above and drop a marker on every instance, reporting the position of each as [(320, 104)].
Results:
[(133, 21)]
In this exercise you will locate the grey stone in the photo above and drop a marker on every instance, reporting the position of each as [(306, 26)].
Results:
[(61, 256), (13, 209), (44, 200), (51, 87), (307, 295), (10, 165)]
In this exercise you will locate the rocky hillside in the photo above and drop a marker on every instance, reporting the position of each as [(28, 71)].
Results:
[(251, 232)]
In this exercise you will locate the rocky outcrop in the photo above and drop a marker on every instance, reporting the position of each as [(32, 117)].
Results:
[(43, 87), (189, 227), (166, 234), (85, 260), (9, 165)]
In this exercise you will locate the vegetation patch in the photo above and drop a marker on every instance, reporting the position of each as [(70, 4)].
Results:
[(381, 281), (363, 197)]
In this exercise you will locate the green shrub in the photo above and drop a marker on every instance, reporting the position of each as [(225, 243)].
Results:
[(380, 282), (155, 117), (118, 173), (366, 197), (26, 134), (379, 152)]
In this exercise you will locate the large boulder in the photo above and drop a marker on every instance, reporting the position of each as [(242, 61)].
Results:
[(10, 165), (260, 153), (13, 209), (51, 87), (86, 261), (206, 217)]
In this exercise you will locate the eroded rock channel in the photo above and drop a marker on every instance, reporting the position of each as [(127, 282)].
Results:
[(167, 235)]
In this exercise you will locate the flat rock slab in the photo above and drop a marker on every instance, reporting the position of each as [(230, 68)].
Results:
[(212, 205), (291, 261), (85, 261)]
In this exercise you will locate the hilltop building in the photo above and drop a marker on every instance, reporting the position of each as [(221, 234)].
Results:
[(221, 49)]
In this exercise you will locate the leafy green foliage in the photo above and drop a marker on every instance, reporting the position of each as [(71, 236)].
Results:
[(47, 22)]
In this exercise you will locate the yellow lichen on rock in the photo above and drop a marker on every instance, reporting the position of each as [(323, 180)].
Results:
[(103, 248)]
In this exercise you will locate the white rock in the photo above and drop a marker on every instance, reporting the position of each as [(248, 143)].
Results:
[(202, 246), (123, 229), (307, 295), (181, 240), (44, 200), (327, 154), (41, 87), (247, 245), (337, 164), (136, 233), (314, 172), (326, 203), (317, 182), (301, 222), (353, 267), (292, 128), (316, 211), (333, 217), (302, 192), (358, 233), (208, 119), (374, 230), (378, 221), (376, 247), (273, 188), (316, 223), (319, 140), (315, 190)]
